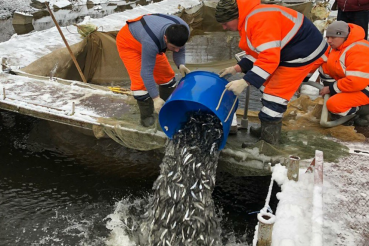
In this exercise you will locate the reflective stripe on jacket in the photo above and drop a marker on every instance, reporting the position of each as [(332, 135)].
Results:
[(276, 36), (349, 64)]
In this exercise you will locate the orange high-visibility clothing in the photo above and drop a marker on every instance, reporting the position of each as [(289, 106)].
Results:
[(283, 46), (130, 51), (349, 66)]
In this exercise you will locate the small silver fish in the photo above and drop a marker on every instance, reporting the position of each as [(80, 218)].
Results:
[(184, 193), (163, 216), (185, 217), (169, 193), (207, 186), (174, 225), (193, 195), (194, 185), (186, 158)]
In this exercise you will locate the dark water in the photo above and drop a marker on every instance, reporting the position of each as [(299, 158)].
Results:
[(61, 187)]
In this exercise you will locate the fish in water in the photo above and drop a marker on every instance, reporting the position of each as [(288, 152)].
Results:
[(182, 211)]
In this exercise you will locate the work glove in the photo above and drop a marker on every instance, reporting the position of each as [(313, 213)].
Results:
[(184, 70), (158, 104), (237, 86), (228, 70)]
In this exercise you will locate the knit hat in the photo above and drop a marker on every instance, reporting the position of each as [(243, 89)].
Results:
[(226, 10), (338, 29)]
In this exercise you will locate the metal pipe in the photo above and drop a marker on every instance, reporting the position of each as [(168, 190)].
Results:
[(313, 84), (73, 108), (4, 63), (66, 43), (324, 116), (244, 120), (265, 228), (293, 167)]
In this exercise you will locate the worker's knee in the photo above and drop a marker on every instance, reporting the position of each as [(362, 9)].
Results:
[(333, 107)]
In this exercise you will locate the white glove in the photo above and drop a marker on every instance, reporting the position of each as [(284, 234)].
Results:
[(158, 104), (228, 70), (237, 86), (183, 70)]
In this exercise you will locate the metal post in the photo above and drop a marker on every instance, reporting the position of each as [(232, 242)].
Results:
[(244, 120), (293, 167), (66, 43), (265, 228), (4, 63), (73, 108)]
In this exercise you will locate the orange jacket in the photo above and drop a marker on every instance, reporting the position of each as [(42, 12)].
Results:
[(276, 36), (349, 63)]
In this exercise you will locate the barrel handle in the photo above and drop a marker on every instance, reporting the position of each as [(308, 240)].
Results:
[(220, 100)]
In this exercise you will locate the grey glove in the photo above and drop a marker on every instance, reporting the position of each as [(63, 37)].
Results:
[(228, 70), (237, 86), (158, 104), (184, 70)]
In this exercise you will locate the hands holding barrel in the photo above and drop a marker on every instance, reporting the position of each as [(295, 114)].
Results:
[(236, 86)]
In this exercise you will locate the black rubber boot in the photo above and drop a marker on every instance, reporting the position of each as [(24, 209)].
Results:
[(271, 131), (363, 110), (255, 131), (165, 92), (147, 112), (362, 116)]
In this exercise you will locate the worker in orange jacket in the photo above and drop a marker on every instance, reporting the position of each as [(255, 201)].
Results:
[(141, 44), (281, 46), (348, 65)]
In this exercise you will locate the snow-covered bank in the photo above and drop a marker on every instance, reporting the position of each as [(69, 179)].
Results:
[(43, 42), (8, 7)]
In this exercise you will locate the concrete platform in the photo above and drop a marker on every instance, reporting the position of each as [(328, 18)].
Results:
[(96, 108)]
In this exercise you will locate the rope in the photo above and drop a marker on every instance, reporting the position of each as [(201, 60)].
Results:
[(230, 111), (266, 206), (220, 100)]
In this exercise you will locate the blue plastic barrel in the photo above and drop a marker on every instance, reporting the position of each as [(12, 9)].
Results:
[(198, 90)]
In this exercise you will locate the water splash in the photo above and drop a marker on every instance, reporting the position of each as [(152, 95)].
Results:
[(182, 211)]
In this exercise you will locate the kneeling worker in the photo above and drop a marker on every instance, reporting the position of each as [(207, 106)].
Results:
[(141, 45), (348, 65)]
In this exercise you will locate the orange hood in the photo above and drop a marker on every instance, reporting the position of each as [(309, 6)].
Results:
[(244, 8), (356, 34)]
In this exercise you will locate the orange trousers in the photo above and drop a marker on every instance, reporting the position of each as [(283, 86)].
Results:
[(343, 102), (130, 51), (285, 81)]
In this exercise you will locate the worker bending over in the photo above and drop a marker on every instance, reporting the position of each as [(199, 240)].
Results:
[(281, 46), (141, 45)]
